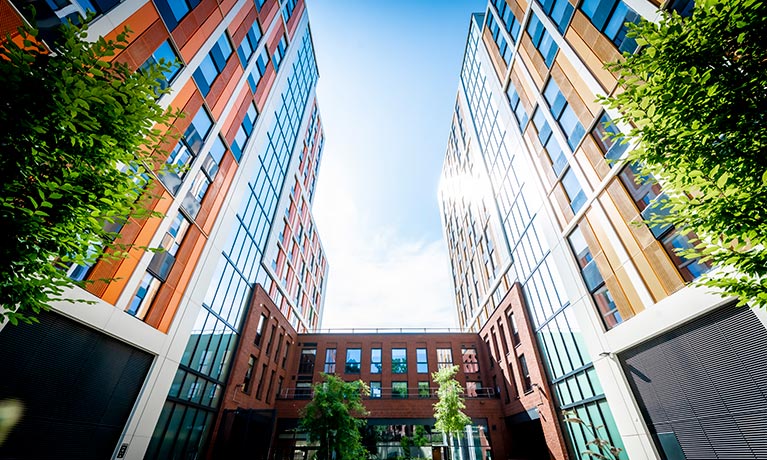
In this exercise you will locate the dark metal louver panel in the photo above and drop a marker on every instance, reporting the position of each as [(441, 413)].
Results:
[(78, 387), (706, 382)]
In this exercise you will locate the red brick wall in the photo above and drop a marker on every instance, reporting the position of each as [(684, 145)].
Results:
[(508, 373)]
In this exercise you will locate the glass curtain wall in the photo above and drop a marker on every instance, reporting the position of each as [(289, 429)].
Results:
[(190, 408), (567, 362)]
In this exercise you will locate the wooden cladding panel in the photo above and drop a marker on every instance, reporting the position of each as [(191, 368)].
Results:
[(108, 277), (143, 45), (242, 23), (269, 11), (224, 86), (593, 154), (593, 48), (184, 260), (578, 95), (192, 32), (295, 19), (214, 198), (233, 122), (526, 98), (495, 56), (619, 296), (588, 170), (561, 205), (534, 61)]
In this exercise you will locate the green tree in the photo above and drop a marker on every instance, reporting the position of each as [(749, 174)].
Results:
[(332, 418), (76, 137), (695, 96), (448, 410)]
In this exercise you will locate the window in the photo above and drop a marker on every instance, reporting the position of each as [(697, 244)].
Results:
[(423, 390), (399, 361), (502, 335), (353, 359), (649, 198), (280, 382), (514, 329), (610, 17), (279, 53), (492, 358), (470, 361), (260, 389), (595, 284), (542, 40), (604, 134), (287, 353), (260, 330), (271, 339), (500, 41), (473, 389), (249, 44), (213, 158), (399, 390), (248, 374), (213, 64), (173, 11), (167, 55), (549, 142), (527, 384), (422, 364), (198, 130), (516, 106), (330, 361), (175, 234), (375, 361), (560, 11), (193, 199), (186, 150), (573, 190), (375, 389), (287, 9), (244, 131), (144, 296), (303, 390), (306, 364), (254, 77), (444, 358), (512, 24), (564, 114)]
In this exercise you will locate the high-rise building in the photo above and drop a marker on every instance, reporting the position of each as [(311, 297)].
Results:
[(139, 373), (533, 192)]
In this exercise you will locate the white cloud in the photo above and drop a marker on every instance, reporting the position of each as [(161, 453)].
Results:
[(377, 277)]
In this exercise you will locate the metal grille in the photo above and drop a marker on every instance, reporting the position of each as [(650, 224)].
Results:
[(706, 382), (77, 385)]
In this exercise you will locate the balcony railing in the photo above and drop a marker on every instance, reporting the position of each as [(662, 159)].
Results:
[(391, 330), (393, 393)]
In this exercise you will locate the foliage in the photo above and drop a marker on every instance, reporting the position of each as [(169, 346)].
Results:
[(74, 131), (604, 449), (418, 439), (332, 418), (448, 410), (695, 96)]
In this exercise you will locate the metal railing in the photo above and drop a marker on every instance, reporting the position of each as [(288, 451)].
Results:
[(389, 330), (393, 393)]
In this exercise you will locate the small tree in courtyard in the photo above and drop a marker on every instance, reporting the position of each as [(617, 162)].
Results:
[(332, 418), (696, 98), (74, 131), (448, 410)]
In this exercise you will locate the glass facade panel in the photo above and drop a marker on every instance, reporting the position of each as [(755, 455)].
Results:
[(208, 354)]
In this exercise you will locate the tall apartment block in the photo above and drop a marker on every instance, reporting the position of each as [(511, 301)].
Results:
[(140, 372), (533, 194)]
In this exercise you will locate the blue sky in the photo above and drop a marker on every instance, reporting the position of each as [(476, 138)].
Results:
[(389, 73)]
